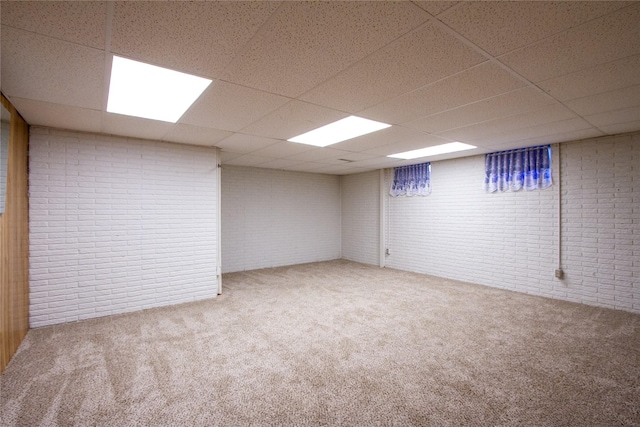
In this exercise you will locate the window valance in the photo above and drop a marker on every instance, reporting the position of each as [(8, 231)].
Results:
[(412, 180), (512, 170)]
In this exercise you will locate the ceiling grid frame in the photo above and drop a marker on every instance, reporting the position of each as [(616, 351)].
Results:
[(608, 108)]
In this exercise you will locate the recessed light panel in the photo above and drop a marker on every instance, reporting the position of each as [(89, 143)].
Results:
[(151, 92), (347, 128), (451, 147)]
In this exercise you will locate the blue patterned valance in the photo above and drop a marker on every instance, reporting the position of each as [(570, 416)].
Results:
[(413, 180), (528, 168)]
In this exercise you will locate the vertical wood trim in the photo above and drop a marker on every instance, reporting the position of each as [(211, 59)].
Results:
[(14, 242)]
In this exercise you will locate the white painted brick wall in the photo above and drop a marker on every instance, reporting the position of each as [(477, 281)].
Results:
[(509, 240), (360, 217), (601, 221), (460, 232), (118, 225), (273, 218)]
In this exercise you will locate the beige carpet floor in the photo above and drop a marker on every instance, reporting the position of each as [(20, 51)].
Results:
[(334, 343)]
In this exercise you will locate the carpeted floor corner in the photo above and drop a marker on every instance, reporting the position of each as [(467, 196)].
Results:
[(334, 343)]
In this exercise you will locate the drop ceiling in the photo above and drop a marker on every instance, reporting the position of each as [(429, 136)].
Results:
[(496, 75)]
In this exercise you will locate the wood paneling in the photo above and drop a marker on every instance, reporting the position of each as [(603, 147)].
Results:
[(14, 242)]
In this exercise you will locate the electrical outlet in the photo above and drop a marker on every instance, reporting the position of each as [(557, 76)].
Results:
[(560, 274), (387, 252)]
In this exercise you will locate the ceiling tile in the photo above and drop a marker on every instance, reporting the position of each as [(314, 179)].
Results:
[(408, 144), (392, 163), (231, 107), (601, 78), (376, 139), (500, 27), (454, 155), (248, 160), (293, 119), (611, 37), (608, 101), (305, 43), (58, 116), (435, 7), (308, 166), (226, 156), (240, 143), (336, 159), (423, 56), (305, 167), (80, 22), (353, 171), (517, 101), (378, 162), (278, 164), (196, 135), (356, 157), (550, 139), (45, 69), (333, 169), (624, 115), (195, 37), (117, 124), (621, 128), (549, 129), (317, 155), (283, 149), (540, 117), (480, 82)]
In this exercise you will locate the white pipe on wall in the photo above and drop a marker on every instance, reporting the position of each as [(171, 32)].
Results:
[(382, 243), (559, 272), (219, 219)]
